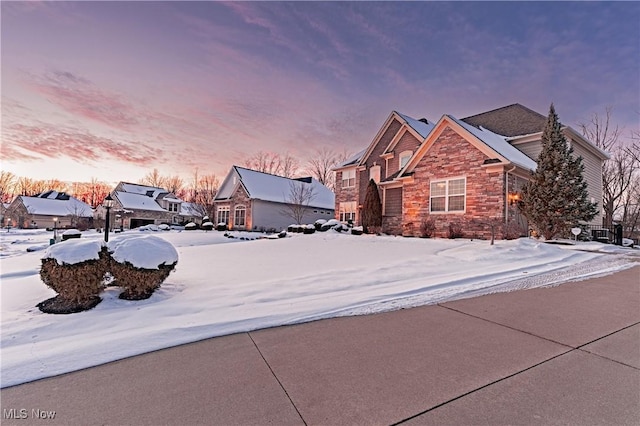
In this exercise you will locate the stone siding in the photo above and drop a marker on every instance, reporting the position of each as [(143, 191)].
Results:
[(344, 195), (407, 142), (452, 156)]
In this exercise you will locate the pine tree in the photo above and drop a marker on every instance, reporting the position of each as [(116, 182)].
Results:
[(372, 209), (556, 197)]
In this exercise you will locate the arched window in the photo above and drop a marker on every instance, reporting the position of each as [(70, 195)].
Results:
[(239, 217)]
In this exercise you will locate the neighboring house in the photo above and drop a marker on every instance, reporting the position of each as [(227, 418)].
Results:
[(137, 205), (47, 210), (465, 173), (252, 200)]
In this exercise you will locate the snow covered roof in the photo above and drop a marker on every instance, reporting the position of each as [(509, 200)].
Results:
[(137, 201), (149, 191), (351, 161), (47, 204), (419, 126), (499, 144), (268, 187)]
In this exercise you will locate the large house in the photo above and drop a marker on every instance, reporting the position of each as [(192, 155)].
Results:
[(455, 174), (136, 205), (252, 200), (48, 210)]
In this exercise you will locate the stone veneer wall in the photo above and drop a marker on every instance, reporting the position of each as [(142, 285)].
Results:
[(344, 195), (452, 156), (239, 198)]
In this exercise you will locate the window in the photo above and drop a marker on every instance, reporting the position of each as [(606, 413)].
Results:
[(223, 214), (348, 211), (448, 195), (174, 207), (405, 156), (374, 173), (239, 216), (348, 178)]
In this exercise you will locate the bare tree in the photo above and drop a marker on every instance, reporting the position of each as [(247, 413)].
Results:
[(7, 186), (289, 166), (617, 172), (276, 164), (298, 199), (153, 179), (173, 184), (321, 165)]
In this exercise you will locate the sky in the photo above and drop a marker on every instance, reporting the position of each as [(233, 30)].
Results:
[(112, 90)]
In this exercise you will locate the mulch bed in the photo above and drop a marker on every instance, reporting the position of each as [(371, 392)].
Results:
[(58, 305)]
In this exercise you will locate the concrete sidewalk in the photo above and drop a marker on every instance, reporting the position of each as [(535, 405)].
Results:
[(562, 355)]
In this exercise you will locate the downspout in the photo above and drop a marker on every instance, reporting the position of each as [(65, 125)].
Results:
[(506, 196)]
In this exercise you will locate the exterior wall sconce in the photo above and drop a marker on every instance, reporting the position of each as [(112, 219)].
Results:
[(514, 197)]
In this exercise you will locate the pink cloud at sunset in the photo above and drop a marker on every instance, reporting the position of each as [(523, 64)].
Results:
[(114, 89)]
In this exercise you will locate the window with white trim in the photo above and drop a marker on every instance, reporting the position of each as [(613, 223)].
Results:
[(347, 211), (223, 214), (405, 156), (447, 195), (239, 216), (174, 207), (349, 178), (374, 173)]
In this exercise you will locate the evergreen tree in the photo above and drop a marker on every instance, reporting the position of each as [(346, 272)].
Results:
[(372, 209), (556, 198)]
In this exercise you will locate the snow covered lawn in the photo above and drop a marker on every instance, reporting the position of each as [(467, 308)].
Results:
[(223, 286)]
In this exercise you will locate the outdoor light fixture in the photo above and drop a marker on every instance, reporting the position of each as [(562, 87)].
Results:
[(514, 197), (108, 203)]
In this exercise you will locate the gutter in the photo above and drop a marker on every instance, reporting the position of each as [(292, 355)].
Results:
[(506, 195)]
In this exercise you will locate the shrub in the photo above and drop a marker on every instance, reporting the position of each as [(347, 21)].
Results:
[(78, 281), (318, 224), (308, 229), (139, 276), (357, 230), (427, 228), (455, 230), (221, 227), (71, 233), (190, 226), (208, 226)]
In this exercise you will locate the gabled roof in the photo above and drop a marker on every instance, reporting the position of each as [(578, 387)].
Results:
[(422, 126), (190, 209), (54, 203), (491, 144), (142, 197), (351, 161), (419, 128), (511, 120), (137, 201), (268, 187), (499, 144)]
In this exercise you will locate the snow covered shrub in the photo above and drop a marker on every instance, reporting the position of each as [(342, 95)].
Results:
[(427, 228), (357, 230), (290, 227), (208, 226), (318, 223), (455, 231), (330, 224), (141, 264), (190, 226), (308, 229), (75, 270), (221, 227), (70, 233)]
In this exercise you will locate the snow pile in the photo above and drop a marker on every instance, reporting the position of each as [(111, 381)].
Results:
[(74, 251), (145, 252)]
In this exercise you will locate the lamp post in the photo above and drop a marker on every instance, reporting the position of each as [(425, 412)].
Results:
[(108, 203), (55, 229)]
